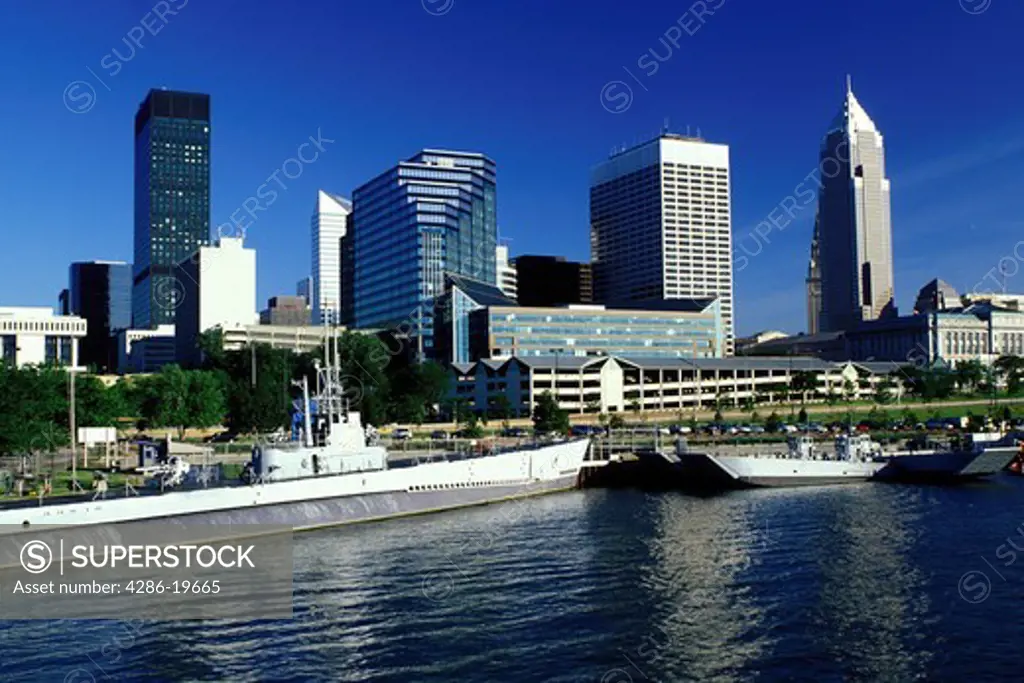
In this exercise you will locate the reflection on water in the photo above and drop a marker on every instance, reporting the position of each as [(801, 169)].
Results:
[(855, 583), (871, 602)]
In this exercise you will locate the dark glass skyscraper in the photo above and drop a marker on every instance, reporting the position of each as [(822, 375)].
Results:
[(433, 214), (172, 198), (101, 292)]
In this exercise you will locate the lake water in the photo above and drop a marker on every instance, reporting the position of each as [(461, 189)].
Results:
[(854, 583)]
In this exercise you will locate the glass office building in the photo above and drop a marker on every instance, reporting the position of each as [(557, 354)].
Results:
[(101, 292), (693, 328), (172, 198), (433, 214), (453, 327)]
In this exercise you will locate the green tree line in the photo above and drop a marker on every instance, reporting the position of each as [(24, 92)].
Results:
[(250, 390)]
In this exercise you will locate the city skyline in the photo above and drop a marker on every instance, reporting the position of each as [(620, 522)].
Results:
[(772, 125)]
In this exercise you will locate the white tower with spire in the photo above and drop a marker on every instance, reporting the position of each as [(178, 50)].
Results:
[(853, 230)]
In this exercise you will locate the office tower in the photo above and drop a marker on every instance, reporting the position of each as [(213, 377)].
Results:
[(101, 293), (433, 214), (814, 285), (508, 280), (329, 225), (854, 229), (347, 268), (218, 290), (304, 288), (64, 302), (172, 198), (285, 310), (553, 281), (660, 225)]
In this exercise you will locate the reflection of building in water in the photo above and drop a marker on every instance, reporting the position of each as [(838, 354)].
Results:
[(872, 598), (703, 551)]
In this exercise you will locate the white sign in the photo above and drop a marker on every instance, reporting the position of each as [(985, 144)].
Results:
[(90, 436)]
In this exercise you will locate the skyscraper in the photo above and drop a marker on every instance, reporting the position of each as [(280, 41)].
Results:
[(172, 198), (854, 231), (101, 292), (552, 281), (329, 225), (814, 284), (660, 225), (433, 214)]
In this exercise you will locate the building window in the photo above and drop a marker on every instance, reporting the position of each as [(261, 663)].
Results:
[(9, 349)]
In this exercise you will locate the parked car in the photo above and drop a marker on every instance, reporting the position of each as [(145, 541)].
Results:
[(757, 429), (219, 437), (440, 435), (679, 429), (401, 434), (515, 432)]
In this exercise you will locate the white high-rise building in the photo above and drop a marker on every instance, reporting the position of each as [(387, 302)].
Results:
[(329, 224), (853, 233), (660, 225), (508, 279), (218, 290)]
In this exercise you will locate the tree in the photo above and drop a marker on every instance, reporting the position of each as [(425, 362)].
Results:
[(804, 382), (616, 421), (968, 375), (181, 399), (802, 416), (97, 405), (1011, 369), (718, 416), (884, 390), (548, 416), (910, 417), (33, 409), (849, 390), (471, 428), (773, 422)]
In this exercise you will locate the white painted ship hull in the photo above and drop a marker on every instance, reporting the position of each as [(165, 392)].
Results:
[(332, 500), (729, 471)]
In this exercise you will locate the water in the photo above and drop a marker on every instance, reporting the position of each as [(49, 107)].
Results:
[(856, 583)]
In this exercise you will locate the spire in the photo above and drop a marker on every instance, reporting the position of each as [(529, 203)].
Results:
[(852, 116)]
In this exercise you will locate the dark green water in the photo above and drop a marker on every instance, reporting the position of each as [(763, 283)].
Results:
[(857, 583)]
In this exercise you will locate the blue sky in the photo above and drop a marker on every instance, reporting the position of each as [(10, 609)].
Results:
[(523, 82)]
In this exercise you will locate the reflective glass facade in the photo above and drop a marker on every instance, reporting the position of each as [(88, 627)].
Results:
[(588, 331), (433, 214), (172, 198), (101, 293)]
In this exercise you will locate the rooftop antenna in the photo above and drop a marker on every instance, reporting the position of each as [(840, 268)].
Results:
[(665, 127), (698, 131), (849, 84)]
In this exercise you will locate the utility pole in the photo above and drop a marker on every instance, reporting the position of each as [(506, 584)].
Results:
[(71, 423)]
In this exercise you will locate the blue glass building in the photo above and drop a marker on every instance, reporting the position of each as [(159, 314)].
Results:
[(433, 214), (673, 328), (172, 198), (101, 292), (453, 333)]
